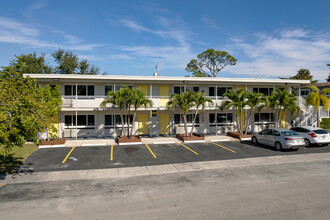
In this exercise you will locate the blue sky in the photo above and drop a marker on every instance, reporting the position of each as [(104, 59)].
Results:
[(268, 38)]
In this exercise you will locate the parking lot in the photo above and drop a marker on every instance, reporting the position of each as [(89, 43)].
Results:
[(99, 157)]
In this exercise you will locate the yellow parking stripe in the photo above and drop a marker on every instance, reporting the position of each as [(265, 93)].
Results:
[(111, 155), (67, 155), (189, 149), (151, 151), (225, 148)]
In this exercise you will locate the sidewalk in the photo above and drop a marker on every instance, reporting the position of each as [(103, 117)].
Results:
[(159, 169), (145, 140)]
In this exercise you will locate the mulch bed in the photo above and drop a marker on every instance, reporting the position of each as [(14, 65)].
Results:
[(134, 138), (194, 137), (59, 141), (239, 136)]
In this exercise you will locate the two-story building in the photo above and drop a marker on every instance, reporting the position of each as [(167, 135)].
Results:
[(81, 115)]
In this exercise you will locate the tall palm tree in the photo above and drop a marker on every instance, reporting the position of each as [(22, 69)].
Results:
[(185, 102), (271, 101), (254, 100), (118, 99), (199, 101), (316, 99), (286, 102), (236, 100), (139, 99)]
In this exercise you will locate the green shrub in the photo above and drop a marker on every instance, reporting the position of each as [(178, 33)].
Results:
[(325, 123)]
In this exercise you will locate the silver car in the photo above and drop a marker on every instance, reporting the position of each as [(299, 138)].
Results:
[(278, 138), (313, 135)]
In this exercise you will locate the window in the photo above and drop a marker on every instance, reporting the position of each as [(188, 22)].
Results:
[(82, 90), (178, 89), (222, 118), (178, 119), (222, 90), (117, 88), (115, 120), (265, 91), (264, 117), (82, 121), (304, 92), (194, 89), (107, 89), (211, 91)]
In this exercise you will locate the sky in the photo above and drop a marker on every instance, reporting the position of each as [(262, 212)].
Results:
[(269, 39)]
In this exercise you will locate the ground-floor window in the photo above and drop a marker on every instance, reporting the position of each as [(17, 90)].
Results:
[(263, 117), (83, 121), (178, 119), (220, 118), (115, 120)]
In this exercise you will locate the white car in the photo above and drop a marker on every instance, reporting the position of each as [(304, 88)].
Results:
[(278, 138), (313, 135)]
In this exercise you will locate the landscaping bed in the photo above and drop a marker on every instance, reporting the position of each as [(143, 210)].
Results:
[(194, 137), (133, 139), (59, 141), (239, 136)]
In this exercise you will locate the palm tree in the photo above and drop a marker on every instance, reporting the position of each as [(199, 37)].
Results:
[(316, 99), (118, 99), (236, 100), (254, 100), (185, 102), (286, 101), (139, 99), (199, 101), (271, 102)]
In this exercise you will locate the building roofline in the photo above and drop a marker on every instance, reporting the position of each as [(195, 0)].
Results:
[(165, 79)]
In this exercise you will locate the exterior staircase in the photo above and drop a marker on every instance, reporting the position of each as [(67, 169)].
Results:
[(308, 117)]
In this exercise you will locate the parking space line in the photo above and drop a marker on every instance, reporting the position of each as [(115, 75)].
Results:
[(111, 155), (189, 149), (151, 151), (224, 147), (67, 155)]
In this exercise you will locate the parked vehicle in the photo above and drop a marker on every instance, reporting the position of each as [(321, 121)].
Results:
[(313, 135), (278, 138)]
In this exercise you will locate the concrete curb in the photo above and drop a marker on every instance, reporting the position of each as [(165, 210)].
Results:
[(91, 145), (160, 169), (51, 146), (219, 140)]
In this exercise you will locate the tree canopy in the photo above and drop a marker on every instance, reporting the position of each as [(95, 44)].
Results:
[(26, 108), (328, 79), (303, 74), (210, 63)]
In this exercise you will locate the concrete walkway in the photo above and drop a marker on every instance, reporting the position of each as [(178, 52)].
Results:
[(145, 140), (159, 169)]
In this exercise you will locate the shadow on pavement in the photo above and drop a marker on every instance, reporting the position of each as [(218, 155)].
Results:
[(262, 146)]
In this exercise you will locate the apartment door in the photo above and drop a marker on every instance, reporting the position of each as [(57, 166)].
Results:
[(164, 123), (143, 120)]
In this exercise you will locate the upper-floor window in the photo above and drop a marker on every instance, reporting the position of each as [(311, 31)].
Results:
[(220, 90), (304, 92), (263, 117), (107, 89), (178, 89), (82, 90), (192, 88), (265, 91), (118, 87)]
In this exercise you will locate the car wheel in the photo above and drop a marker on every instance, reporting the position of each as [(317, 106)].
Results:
[(278, 146), (254, 140), (307, 143)]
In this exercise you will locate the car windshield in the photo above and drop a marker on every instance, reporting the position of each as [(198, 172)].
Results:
[(320, 131), (289, 133)]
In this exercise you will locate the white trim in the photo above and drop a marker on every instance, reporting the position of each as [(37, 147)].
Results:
[(90, 145), (197, 141), (164, 142), (51, 146), (219, 140), (131, 143), (245, 139)]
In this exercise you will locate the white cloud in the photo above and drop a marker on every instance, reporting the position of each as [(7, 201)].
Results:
[(282, 53)]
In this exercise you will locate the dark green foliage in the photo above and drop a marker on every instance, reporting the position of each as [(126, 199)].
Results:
[(328, 79), (325, 123), (210, 63), (303, 74)]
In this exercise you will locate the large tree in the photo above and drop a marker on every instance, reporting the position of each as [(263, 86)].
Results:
[(68, 63), (30, 63), (210, 63), (303, 74), (26, 108), (328, 79)]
